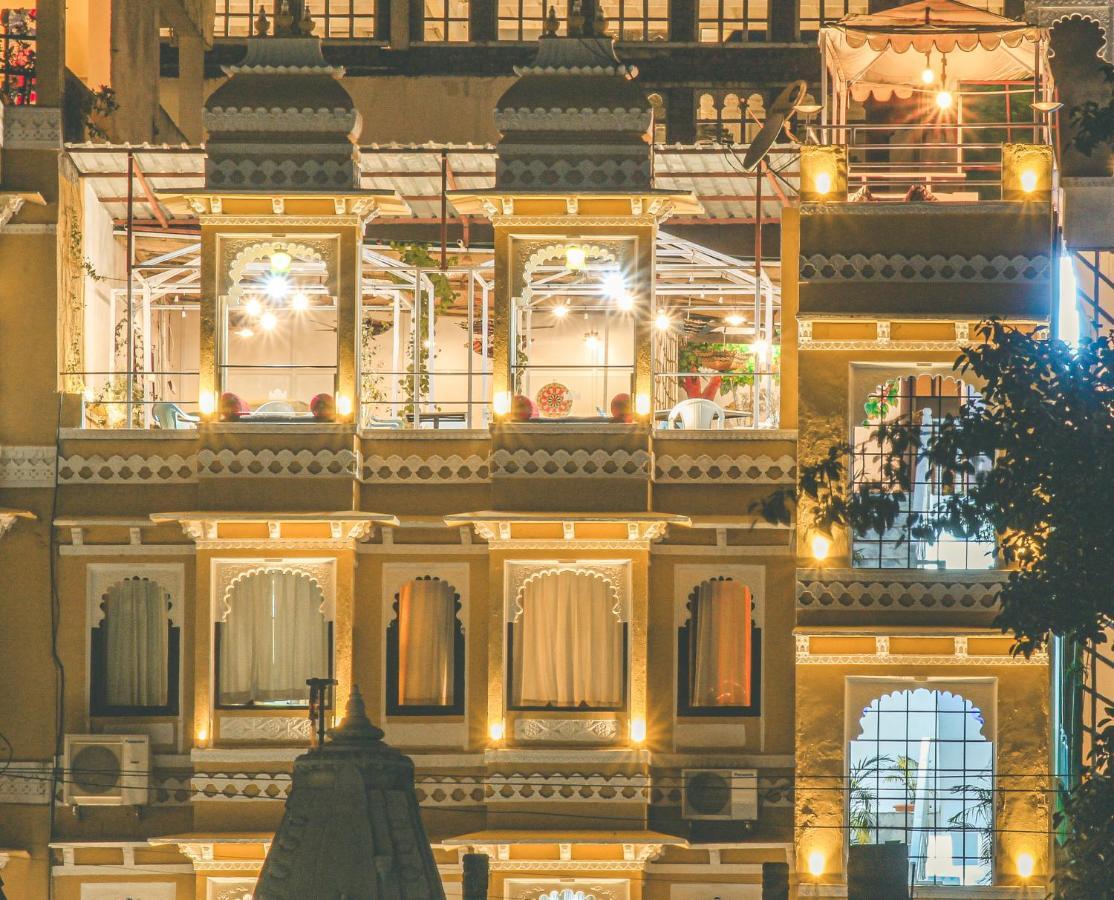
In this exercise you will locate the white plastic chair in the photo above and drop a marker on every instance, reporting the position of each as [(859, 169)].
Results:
[(697, 414)]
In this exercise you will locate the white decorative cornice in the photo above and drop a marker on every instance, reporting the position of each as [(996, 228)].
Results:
[(568, 119), (724, 469), (278, 118), (882, 655), (31, 128), (897, 267), (27, 467)]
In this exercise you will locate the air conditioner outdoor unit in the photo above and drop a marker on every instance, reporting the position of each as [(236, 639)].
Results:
[(729, 794), (106, 770)]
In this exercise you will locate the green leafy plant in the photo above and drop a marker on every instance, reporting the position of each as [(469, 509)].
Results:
[(1087, 855), (862, 806), (97, 108), (419, 255), (977, 815)]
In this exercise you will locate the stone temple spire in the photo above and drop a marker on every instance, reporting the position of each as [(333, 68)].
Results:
[(283, 121), (574, 120), (352, 829)]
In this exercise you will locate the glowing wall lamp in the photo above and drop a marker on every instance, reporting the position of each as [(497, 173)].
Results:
[(637, 730), (1027, 172), (501, 403), (344, 405), (642, 404), (816, 863), (821, 546), (496, 731), (1025, 865), (207, 403), (823, 173), (575, 258)]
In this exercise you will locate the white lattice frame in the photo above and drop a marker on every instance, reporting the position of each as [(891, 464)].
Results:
[(616, 574), (320, 570), (395, 575), (100, 577)]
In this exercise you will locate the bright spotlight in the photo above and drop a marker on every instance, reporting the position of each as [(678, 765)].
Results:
[(280, 263), (575, 258), (944, 100), (1028, 181), (253, 307), (561, 310), (734, 320), (662, 322), (277, 287), (927, 76), (614, 285), (822, 182), (245, 333), (625, 301), (268, 321), (300, 301)]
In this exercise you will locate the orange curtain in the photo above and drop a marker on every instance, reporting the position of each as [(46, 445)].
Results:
[(426, 613), (721, 645)]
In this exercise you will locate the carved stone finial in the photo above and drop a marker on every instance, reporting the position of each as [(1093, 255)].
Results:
[(262, 23), (576, 19), (551, 23), (306, 25), (355, 727), (284, 19), (599, 22)]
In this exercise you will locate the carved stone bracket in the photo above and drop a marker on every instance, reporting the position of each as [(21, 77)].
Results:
[(586, 731)]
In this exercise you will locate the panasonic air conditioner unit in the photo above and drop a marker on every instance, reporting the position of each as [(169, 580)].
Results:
[(727, 794), (106, 770)]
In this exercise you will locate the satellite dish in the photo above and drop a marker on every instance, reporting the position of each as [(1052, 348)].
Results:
[(780, 110)]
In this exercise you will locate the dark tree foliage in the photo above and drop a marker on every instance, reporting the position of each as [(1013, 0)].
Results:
[(1046, 420), (1094, 122), (1085, 871)]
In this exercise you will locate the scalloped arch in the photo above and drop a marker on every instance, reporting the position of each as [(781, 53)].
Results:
[(555, 250), (1104, 49), (876, 703), (264, 569), (261, 250), (457, 606), (613, 589)]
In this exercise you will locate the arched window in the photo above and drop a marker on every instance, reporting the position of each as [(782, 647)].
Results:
[(134, 652), (273, 636), (568, 643), (922, 401), (920, 771), (719, 652), (425, 650)]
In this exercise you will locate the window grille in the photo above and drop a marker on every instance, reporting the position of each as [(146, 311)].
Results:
[(920, 771), (446, 20), (18, 36), (637, 20), (337, 19), (732, 21), (521, 20), (922, 402)]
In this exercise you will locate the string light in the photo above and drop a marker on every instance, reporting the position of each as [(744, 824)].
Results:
[(734, 320), (253, 307), (561, 310), (277, 287), (300, 301), (625, 301), (927, 75), (280, 262), (575, 257), (662, 322), (944, 99), (245, 333), (268, 321)]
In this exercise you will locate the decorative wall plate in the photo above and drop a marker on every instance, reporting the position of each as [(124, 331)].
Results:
[(554, 400)]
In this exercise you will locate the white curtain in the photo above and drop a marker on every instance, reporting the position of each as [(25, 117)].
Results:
[(274, 637), (721, 645), (426, 618), (137, 620), (568, 643)]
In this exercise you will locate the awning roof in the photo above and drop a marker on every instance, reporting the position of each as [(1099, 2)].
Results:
[(883, 54), (713, 173)]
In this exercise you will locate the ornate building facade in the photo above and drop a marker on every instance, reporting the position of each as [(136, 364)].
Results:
[(485, 430)]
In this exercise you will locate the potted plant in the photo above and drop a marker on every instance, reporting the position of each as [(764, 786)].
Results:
[(862, 810), (905, 774)]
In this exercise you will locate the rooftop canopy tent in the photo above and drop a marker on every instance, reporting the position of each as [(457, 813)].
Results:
[(934, 54)]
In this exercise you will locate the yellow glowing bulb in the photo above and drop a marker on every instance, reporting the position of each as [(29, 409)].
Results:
[(253, 307), (207, 403), (300, 301), (561, 310), (501, 403), (496, 731), (820, 546), (927, 76), (1028, 181), (816, 863), (575, 257), (202, 736), (734, 320), (638, 730), (625, 302), (246, 332), (344, 405), (662, 322), (280, 262), (591, 340), (822, 182), (642, 404), (944, 99), (268, 321), (1025, 865)]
